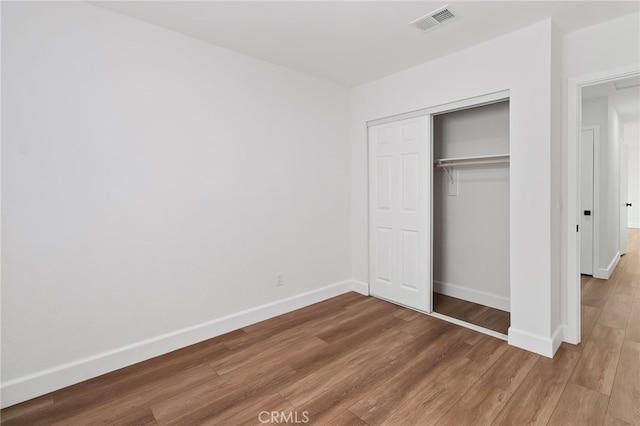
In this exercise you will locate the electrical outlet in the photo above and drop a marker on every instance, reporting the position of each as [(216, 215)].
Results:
[(279, 279)]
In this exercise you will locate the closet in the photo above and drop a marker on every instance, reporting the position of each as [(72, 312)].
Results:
[(439, 211), (470, 256)]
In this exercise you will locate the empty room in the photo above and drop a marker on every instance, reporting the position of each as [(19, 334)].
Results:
[(319, 212)]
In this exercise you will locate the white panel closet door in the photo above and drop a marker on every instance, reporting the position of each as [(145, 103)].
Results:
[(400, 212)]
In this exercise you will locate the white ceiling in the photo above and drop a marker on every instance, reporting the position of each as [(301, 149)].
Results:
[(351, 43)]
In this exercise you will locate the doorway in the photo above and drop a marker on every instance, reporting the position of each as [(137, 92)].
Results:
[(607, 215), (471, 215), (402, 242)]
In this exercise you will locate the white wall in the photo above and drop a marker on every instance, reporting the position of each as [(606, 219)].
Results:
[(631, 136), (607, 46), (612, 232), (521, 62), (153, 183), (471, 228), (602, 47)]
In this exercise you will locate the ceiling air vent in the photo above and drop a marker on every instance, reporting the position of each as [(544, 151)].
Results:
[(434, 19)]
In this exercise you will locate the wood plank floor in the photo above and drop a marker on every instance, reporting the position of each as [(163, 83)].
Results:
[(356, 360), (484, 316)]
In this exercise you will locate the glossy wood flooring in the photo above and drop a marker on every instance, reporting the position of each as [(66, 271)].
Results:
[(356, 360), (484, 316)]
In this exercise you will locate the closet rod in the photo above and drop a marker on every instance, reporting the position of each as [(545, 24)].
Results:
[(471, 162)]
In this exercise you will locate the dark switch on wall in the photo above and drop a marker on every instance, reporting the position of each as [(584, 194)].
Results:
[(587, 212)]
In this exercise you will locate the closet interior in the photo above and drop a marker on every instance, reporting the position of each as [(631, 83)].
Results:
[(470, 228)]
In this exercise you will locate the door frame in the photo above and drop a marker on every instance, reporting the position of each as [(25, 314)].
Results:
[(624, 224), (595, 212), (571, 332)]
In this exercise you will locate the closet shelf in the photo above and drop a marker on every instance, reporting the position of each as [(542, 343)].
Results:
[(472, 161)]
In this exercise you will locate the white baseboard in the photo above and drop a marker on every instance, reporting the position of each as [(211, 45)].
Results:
[(605, 273), (360, 287), (472, 295), (556, 339), (543, 345), (633, 225), (42, 382)]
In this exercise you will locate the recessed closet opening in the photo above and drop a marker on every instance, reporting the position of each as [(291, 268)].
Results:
[(439, 219), (470, 215)]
